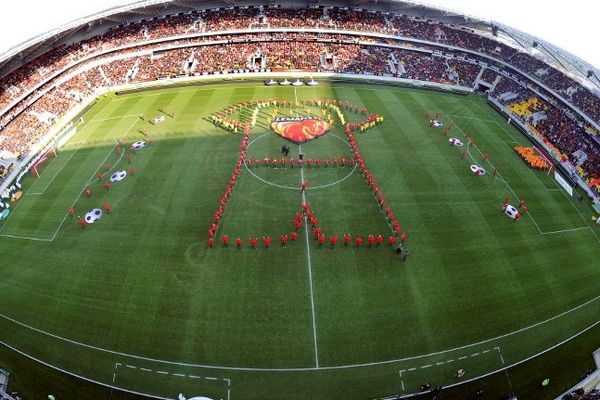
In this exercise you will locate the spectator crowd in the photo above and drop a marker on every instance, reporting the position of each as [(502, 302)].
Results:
[(35, 95)]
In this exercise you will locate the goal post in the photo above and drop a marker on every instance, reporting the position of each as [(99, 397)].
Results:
[(542, 154), (42, 160)]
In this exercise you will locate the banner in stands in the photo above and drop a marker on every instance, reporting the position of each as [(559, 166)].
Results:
[(300, 129)]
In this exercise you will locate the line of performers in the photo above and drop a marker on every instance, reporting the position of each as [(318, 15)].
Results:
[(300, 162)]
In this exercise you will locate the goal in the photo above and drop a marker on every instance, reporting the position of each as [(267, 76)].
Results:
[(542, 154), (42, 160)]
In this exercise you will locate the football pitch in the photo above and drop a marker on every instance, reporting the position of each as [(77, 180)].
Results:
[(139, 301)]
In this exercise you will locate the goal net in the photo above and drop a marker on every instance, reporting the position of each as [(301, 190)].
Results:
[(42, 160), (542, 154)]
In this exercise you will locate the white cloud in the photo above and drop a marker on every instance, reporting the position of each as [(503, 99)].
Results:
[(572, 26), (23, 21)]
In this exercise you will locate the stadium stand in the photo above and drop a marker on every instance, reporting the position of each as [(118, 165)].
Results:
[(489, 75), (40, 92)]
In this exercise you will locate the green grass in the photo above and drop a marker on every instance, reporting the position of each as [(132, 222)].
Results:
[(143, 282)]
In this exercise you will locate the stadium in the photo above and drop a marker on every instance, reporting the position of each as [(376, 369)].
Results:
[(286, 200)]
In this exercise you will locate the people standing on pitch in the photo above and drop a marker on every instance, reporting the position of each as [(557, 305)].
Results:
[(267, 242), (283, 240), (333, 239), (358, 241), (347, 239), (371, 240)]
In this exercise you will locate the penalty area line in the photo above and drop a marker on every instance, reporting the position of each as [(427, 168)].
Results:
[(113, 118), (559, 189), (30, 187), (566, 230), (91, 180), (25, 237), (505, 367), (500, 175), (57, 172)]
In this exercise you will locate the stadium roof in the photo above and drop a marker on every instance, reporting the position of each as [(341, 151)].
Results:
[(29, 49)]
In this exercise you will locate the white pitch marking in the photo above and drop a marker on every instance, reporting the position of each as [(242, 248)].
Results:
[(411, 92), (556, 189), (77, 198), (6, 220), (131, 366), (56, 174), (211, 378), (489, 162), (100, 112), (162, 372), (146, 369), (312, 369), (104, 384), (249, 169), (25, 237), (500, 353), (309, 266), (462, 358), (110, 119), (88, 182), (401, 380), (296, 96), (182, 375), (566, 230), (474, 354), (308, 368), (474, 118), (194, 377)]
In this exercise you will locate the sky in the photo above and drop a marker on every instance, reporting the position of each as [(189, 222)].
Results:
[(572, 25)]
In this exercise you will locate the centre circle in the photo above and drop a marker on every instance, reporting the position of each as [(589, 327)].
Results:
[(296, 187)]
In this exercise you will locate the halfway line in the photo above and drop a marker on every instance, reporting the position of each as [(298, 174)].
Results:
[(310, 280)]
